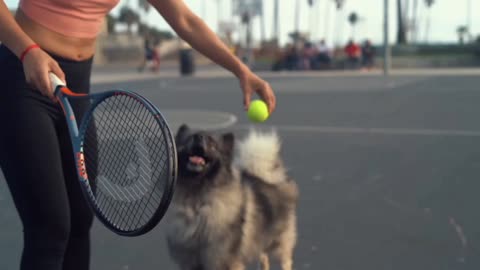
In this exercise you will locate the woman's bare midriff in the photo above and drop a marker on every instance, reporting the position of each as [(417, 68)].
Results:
[(77, 49)]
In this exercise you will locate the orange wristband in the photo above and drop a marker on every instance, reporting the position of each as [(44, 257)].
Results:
[(24, 53)]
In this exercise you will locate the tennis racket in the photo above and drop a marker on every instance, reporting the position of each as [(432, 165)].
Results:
[(124, 154)]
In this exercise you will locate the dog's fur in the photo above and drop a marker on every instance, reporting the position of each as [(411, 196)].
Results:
[(234, 206)]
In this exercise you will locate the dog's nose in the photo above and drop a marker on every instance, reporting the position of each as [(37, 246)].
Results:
[(199, 139)]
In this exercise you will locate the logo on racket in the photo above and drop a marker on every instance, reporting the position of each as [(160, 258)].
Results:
[(138, 174), (82, 171)]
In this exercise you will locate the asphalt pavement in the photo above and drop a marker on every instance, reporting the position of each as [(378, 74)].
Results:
[(388, 168)]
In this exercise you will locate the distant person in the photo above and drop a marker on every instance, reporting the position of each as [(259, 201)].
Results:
[(279, 62), (368, 55), (291, 57), (151, 56), (354, 54), (324, 57), (35, 148), (308, 55)]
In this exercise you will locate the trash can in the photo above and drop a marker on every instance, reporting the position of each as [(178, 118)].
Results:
[(187, 65)]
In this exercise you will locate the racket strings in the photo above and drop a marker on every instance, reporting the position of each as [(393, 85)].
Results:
[(127, 161), (129, 208)]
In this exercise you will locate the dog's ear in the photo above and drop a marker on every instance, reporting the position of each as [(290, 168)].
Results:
[(228, 140), (182, 132)]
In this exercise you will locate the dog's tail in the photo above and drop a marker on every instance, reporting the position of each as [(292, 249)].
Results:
[(259, 154)]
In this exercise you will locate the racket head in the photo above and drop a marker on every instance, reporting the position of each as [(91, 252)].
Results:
[(127, 160), (125, 157)]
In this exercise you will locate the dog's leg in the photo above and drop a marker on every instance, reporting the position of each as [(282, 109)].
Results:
[(286, 263), (191, 267), (264, 262), (287, 242), (237, 266), (285, 256)]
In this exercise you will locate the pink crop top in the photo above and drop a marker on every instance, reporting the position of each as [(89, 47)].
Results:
[(72, 18)]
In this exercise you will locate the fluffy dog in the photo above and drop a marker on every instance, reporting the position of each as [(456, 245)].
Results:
[(234, 202)]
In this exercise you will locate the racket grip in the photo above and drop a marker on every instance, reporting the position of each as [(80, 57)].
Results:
[(56, 82)]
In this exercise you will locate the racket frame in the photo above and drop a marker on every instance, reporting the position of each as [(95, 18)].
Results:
[(63, 94)]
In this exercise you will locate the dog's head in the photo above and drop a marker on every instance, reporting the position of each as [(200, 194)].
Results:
[(201, 155)]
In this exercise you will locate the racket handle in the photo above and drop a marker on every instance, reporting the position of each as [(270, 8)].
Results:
[(56, 82)]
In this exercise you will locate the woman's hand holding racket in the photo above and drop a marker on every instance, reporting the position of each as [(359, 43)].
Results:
[(37, 65)]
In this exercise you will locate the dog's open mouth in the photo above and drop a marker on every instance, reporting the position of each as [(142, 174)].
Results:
[(196, 163)]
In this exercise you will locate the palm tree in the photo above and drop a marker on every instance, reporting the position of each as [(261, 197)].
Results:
[(129, 17), (353, 20), (111, 21), (313, 16), (415, 21), (143, 4), (462, 32), (469, 15), (145, 7), (429, 4), (339, 5), (219, 14), (402, 30)]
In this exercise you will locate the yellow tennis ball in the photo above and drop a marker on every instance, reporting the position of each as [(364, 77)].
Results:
[(258, 111)]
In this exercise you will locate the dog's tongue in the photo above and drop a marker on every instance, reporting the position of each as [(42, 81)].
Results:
[(197, 160)]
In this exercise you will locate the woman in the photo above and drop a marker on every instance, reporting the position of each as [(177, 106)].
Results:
[(35, 156)]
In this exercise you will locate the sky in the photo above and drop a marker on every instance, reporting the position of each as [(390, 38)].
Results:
[(323, 21)]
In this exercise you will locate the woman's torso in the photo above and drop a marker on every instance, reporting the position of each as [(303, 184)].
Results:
[(70, 46)]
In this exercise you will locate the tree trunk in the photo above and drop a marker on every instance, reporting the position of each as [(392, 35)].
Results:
[(401, 32), (415, 21), (326, 34)]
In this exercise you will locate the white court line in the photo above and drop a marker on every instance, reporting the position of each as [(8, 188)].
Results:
[(129, 76), (198, 125), (199, 119), (133, 75), (368, 131)]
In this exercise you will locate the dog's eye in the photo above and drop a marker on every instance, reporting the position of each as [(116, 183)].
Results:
[(211, 142), (212, 147)]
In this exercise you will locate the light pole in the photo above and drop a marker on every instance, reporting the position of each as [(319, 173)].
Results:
[(328, 9), (276, 35), (386, 46), (262, 25), (219, 12), (297, 16), (469, 17)]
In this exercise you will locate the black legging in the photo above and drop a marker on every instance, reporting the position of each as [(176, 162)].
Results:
[(37, 162)]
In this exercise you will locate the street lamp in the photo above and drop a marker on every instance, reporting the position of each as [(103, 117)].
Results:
[(386, 46)]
